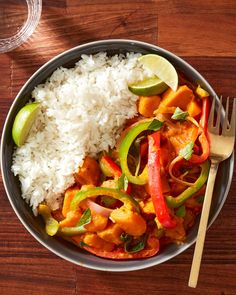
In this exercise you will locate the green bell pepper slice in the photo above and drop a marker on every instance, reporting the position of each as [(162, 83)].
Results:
[(189, 192), (142, 178), (51, 224), (103, 191)]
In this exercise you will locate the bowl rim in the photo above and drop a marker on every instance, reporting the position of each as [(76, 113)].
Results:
[(37, 236)]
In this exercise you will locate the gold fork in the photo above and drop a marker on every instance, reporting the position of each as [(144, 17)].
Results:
[(221, 147)]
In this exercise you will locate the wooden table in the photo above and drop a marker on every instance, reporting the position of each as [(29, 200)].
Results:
[(203, 32)]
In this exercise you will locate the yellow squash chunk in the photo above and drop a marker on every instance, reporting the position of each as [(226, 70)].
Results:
[(181, 98), (111, 234), (69, 195), (93, 240), (89, 173), (72, 218), (98, 223), (148, 104), (193, 108), (131, 222), (177, 233), (147, 207)]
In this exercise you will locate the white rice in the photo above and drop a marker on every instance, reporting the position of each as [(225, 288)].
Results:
[(82, 111)]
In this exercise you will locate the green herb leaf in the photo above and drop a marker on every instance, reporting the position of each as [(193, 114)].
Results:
[(125, 237), (123, 182), (107, 201), (82, 244), (179, 114), (155, 125), (187, 151), (135, 245), (200, 199), (181, 211), (85, 218)]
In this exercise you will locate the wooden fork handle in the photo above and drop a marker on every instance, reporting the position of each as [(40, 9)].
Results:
[(197, 257)]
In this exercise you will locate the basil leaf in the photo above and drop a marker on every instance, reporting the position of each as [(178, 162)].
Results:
[(131, 247), (123, 182), (125, 237), (179, 114), (85, 218), (82, 244), (134, 246), (181, 211), (107, 201), (200, 199), (155, 125), (187, 151)]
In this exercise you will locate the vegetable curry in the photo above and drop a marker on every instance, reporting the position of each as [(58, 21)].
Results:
[(145, 193)]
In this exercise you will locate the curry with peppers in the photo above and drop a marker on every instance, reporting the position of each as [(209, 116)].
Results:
[(147, 191)]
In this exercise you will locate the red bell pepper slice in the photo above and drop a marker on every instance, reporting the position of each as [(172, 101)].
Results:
[(154, 181), (150, 250), (113, 169), (205, 113), (111, 166), (198, 159)]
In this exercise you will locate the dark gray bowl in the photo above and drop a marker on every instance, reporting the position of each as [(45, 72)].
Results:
[(35, 225)]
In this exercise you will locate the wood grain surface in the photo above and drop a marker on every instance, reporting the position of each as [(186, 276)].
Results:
[(203, 32)]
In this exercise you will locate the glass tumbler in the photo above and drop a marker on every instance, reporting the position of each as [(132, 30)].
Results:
[(18, 20)]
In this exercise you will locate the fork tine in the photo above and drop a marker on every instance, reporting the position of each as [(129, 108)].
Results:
[(232, 121), (226, 119), (219, 115), (211, 115)]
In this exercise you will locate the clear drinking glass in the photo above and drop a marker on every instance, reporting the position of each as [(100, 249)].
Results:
[(18, 20)]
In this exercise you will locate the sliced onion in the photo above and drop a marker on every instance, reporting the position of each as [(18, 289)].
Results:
[(178, 158), (99, 209)]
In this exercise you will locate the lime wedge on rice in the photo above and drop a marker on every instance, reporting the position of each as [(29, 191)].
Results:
[(162, 68), (23, 122), (149, 86)]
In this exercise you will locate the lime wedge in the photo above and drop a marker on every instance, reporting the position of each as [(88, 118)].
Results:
[(149, 86), (23, 122), (162, 68)]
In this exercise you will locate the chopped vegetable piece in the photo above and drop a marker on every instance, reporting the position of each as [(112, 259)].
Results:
[(193, 108), (181, 211), (123, 182), (101, 191), (93, 240), (69, 195), (111, 234), (131, 222), (198, 159), (109, 167), (155, 187), (72, 218), (202, 92), (179, 114), (148, 104), (151, 249), (205, 113), (187, 151), (175, 202), (181, 98), (79, 228), (89, 173), (135, 245), (52, 225), (155, 125), (124, 150)]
